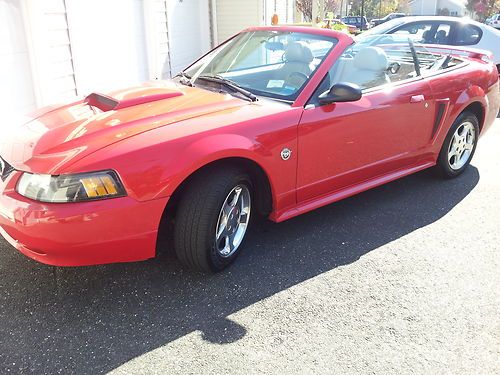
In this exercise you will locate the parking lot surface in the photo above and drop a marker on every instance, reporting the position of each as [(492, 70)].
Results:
[(402, 279)]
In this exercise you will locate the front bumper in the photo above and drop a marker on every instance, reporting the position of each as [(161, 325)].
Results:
[(79, 234)]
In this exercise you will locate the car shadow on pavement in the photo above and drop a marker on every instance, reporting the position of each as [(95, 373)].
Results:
[(94, 319)]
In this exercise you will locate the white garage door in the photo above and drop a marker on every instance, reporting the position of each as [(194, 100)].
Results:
[(107, 43), (76, 47), (189, 31), (16, 88), (236, 15)]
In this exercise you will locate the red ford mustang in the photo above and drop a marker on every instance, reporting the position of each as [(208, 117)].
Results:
[(276, 121)]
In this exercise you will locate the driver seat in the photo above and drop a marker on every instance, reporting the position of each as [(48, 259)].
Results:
[(298, 57)]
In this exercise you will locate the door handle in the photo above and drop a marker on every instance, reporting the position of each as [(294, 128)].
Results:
[(417, 99)]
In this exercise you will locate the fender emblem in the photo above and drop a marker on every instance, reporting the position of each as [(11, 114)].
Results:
[(286, 153)]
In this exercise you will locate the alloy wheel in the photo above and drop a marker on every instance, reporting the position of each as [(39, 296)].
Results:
[(233, 221), (461, 145)]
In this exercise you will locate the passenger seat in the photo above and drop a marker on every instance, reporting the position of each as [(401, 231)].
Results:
[(369, 68)]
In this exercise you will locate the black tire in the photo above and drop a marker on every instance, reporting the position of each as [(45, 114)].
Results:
[(198, 214), (443, 167)]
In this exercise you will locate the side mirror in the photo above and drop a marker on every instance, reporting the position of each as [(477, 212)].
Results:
[(341, 92)]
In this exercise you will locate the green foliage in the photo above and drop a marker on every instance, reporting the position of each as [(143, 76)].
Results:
[(339, 27), (378, 8)]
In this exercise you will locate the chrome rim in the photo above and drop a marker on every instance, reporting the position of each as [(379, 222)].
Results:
[(461, 145), (233, 221)]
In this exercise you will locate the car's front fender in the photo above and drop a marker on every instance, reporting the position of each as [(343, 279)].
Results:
[(153, 164), (210, 149)]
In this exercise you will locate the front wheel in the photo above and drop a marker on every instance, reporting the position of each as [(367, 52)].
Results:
[(212, 219), (459, 146)]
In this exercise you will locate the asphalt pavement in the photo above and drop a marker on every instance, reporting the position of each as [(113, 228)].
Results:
[(402, 279)]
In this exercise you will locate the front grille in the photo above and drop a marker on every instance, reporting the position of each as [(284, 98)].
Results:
[(5, 169)]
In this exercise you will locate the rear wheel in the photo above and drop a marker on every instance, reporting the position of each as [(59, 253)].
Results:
[(459, 146), (212, 219)]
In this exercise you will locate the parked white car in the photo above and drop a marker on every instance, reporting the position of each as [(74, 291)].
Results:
[(494, 21), (451, 31)]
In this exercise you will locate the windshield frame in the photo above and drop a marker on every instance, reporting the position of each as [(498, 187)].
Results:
[(323, 35)]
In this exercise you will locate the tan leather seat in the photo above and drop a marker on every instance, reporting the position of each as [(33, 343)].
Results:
[(341, 69), (298, 57), (369, 68)]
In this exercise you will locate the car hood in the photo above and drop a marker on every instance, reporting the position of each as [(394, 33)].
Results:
[(55, 137)]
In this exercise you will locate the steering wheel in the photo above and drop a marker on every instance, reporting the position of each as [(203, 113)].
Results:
[(394, 67), (296, 79)]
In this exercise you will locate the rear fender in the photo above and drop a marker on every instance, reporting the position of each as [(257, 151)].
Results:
[(473, 94)]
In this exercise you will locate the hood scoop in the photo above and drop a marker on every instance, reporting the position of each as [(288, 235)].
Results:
[(107, 103)]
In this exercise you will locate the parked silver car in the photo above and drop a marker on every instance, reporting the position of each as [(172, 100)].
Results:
[(494, 21), (443, 30)]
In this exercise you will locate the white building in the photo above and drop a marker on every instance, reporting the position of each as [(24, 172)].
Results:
[(431, 7), (56, 50)]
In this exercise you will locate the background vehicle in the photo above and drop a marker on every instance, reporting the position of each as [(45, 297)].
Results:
[(445, 31), (338, 25), (359, 22), (391, 16), (494, 21), (93, 181)]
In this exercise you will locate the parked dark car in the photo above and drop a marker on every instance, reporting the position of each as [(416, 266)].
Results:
[(360, 22), (391, 16)]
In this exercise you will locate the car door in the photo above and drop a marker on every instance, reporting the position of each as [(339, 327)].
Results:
[(342, 144)]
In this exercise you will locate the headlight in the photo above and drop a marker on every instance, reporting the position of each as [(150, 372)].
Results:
[(70, 188)]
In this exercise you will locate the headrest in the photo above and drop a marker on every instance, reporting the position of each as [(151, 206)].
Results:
[(371, 58), (427, 35), (298, 52)]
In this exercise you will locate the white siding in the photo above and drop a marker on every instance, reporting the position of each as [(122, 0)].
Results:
[(16, 88), (157, 38), (283, 8), (163, 41), (236, 15), (189, 31), (49, 51), (57, 51), (423, 7)]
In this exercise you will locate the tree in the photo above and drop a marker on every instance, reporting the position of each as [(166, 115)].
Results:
[(404, 6), (483, 8), (305, 7), (377, 8)]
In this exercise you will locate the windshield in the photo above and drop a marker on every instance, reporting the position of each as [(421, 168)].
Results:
[(275, 64), (383, 28)]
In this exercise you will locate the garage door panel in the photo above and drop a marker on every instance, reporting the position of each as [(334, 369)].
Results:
[(189, 31), (16, 88)]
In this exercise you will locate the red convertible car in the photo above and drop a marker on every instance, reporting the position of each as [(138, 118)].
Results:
[(276, 121)]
